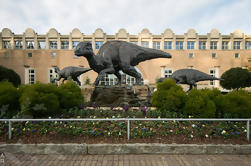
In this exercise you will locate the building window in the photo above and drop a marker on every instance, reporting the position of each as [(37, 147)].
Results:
[(109, 79), (30, 76), (18, 44), (29, 45), (248, 45), (190, 45), (168, 73), (145, 44), (213, 45), (167, 45), (64, 45), (52, 75), (29, 55), (98, 44), (225, 45), (74, 44), (41, 45), (179, 45), (191, 55), (134, 42), (6, 44), (202, 45), (213, 55), (212, 73), (53, 55), (53, 45), (156, 45), (237, 45), (237, 55)]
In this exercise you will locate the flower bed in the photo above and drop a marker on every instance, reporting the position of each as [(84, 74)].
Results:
[(116, 131)]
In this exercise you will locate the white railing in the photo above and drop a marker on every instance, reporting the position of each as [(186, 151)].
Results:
[(128, 121)]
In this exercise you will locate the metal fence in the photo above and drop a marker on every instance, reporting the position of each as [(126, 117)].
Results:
[(128, 121)]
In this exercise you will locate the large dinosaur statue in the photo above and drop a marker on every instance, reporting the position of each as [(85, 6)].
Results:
[(190, 77), (71, 71), (116, 55)]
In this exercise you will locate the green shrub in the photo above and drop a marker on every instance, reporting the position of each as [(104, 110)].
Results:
[(169, 96), (39, 100), (9, 104), (9, 75), (199, 104), (70, 95), (237, 104)]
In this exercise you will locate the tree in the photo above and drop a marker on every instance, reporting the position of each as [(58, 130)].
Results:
[(169, 97), (236, 78), (9, 75)]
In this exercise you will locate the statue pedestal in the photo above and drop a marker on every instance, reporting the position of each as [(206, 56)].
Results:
[(116, 96)]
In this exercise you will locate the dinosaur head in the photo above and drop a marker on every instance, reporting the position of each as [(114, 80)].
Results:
[(84, 49)]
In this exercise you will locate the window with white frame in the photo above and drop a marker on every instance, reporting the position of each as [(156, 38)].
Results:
[(202, 45), (29, 44), (53, 45), (225, 45), (190, 45), (179, 45), (53, 55), (167, 73), (64, 44), (6, 44), (52, 75), (237, 55), (248, 45), (191, 55), (98, 44), (237, 45), (212, 73), (41, 45), (156, 45), (213, 45), (214, 55), (18, 44), (145, 44), (167, 45), (134, 42), (74, 44), (109, 79), (30, 76)]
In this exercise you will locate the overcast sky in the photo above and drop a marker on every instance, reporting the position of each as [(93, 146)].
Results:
[(133, 15)]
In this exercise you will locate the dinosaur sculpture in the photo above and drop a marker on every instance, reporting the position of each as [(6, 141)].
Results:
[(71, 71), (116, 55), (190, 77)]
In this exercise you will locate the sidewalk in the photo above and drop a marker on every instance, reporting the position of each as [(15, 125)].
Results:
[(126, 160)]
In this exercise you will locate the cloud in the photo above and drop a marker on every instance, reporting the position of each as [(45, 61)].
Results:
[(133, 15)]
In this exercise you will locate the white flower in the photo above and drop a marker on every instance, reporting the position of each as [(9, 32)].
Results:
[(49, 117), (78, 117), (23, 129), (109, 133), (203, 125), (55, 122), (158, 117), (171, 131), (94, 117), (119, 133), (245, 131), (184, 127), (206, 136), (107, 118), (191, 136), (223, 132), (189, 116), (12, 129), (193, 125), (113, 117)]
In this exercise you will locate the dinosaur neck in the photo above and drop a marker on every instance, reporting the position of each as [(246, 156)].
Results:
[(93, 61)]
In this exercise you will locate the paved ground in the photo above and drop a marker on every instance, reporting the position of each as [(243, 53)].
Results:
[(126, 160)]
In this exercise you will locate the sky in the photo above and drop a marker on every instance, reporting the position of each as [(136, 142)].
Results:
[(132, 15)]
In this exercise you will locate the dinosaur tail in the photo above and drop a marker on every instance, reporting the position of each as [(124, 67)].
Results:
[(82, 70), (151, 54)]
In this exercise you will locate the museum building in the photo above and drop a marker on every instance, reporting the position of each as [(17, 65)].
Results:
[(33, 56)]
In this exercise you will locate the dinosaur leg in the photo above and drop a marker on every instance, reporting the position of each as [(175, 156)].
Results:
[(102, 74), (130, 70), (64, 80), (190, 87), (76, 79), (118, 75)]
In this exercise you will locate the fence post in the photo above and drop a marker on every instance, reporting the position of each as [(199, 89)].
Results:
[(9, 129), (248, 130), (128, 130)]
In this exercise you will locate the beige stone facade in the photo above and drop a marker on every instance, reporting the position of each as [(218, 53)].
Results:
[(33, 55)]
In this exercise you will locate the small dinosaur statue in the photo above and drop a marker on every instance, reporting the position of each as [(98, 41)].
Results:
[(116, 55), (71, 71), (190, 77)]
